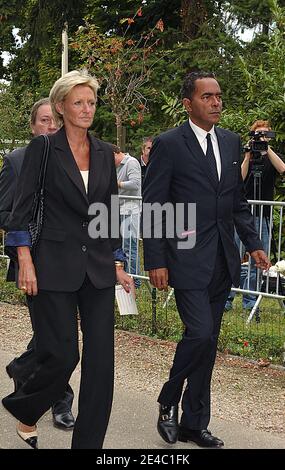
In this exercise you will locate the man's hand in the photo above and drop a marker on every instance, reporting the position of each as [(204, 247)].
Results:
[(261, 260), (159, 278)]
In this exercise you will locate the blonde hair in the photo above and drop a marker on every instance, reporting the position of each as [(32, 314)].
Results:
[(64, 85), (260, 123)]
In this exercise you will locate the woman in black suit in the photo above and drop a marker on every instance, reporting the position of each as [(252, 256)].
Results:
[(71, 269)]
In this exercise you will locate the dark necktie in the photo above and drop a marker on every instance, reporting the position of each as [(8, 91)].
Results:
[(212, 162)]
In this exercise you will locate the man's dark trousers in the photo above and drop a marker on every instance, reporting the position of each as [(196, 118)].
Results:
[(201, 313)]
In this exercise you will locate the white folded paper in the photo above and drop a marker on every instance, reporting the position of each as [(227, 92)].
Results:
[(126, 302)]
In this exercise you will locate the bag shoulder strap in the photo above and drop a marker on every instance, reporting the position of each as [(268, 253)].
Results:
[(41, 179), (43, 168)]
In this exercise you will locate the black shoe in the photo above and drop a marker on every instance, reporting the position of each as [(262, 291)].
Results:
[(30, 438), (202, 437), (63, 420), (167, 424)]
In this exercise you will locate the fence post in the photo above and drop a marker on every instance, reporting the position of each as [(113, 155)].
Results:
[(153, 311)]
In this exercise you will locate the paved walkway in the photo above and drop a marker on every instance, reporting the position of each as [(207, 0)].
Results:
[(132, 425)]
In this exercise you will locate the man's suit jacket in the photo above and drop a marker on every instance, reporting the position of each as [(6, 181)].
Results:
[(178, 173), (143, 171), (10, 171), (65, 252)]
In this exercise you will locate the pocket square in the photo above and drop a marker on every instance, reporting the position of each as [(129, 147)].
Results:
[(188, 232), (234, 163)]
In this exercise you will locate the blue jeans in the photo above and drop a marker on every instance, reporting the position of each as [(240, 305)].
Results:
[(130, 235), (248, 277)]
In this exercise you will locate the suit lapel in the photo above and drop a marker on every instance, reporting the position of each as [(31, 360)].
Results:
[(224, 150), (196, 150), (96, 166)]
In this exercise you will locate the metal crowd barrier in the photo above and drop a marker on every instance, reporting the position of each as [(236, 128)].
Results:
[(130, 215), (2, 254), (268, 284)]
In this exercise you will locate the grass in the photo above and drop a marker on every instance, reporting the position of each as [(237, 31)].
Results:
[(257, 340), (8, 292)]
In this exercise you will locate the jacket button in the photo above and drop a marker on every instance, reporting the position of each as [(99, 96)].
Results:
[(84, 248), (84, 224)]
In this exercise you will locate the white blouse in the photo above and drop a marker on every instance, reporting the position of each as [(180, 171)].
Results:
[(85, 176)]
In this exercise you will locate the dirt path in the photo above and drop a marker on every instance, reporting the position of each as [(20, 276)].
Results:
[(242, 391)]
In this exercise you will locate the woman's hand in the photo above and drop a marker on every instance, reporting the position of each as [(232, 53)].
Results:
[(27, 279), (125, 280)]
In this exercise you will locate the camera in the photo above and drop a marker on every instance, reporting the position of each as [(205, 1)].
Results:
[(258, 147)]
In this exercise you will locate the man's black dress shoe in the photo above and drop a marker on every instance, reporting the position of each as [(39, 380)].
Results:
[(167, 424), (203, 437), (63, 420)]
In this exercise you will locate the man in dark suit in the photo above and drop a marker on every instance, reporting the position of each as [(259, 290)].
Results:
[(41, 122), (197, 163)]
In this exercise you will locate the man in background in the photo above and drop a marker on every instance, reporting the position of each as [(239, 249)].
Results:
[(129, 184), (146, 147), (41, 122)]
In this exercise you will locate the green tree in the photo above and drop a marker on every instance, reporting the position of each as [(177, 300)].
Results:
[(201, 35), (123, 67), (254, 13), (107, 15), (14, 119), (263, 81), (39, 24)]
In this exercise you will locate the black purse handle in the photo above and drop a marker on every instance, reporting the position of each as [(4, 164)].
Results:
[(42, 174)]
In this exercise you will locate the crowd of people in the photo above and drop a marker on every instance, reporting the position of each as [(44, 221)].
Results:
[(71, 276)]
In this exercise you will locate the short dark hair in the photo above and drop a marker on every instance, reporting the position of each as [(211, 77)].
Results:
[(147, 139), (188, 86), (116, 149)]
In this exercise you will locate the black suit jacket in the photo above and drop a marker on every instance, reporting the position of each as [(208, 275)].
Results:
[(10, 171), (65, 252), (143, 171), (177, 173)]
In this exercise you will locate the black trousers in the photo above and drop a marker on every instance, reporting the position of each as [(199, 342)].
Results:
[(24, 365), (201, 313), (57, 354)]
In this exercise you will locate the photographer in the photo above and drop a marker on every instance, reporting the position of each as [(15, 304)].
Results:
[(259, 169), (271, 164)]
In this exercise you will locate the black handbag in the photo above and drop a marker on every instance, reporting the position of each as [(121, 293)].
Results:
[(36, 223), (35, 226)]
